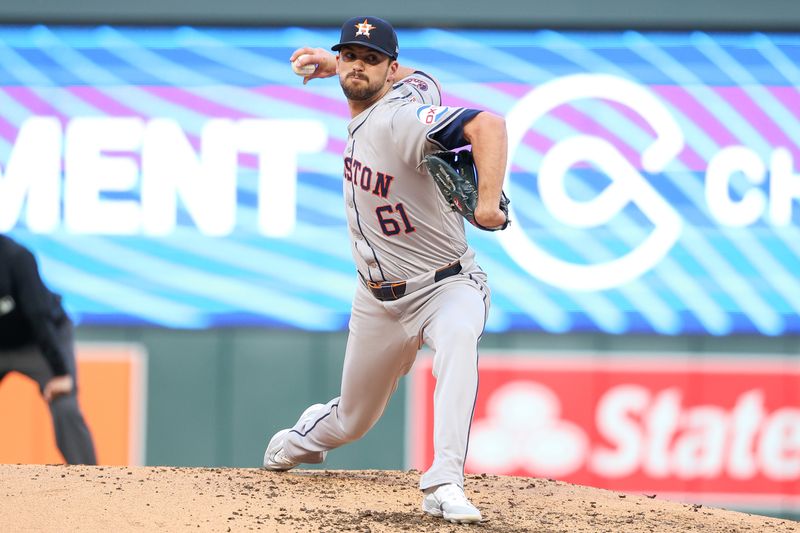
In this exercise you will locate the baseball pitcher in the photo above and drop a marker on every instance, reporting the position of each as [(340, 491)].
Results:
[(406, 200)]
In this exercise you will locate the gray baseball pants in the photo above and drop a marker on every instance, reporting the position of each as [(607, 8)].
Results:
[(448, 316), (72, 435)]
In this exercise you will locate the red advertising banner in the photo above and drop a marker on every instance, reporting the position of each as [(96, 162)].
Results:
[(703, 429)]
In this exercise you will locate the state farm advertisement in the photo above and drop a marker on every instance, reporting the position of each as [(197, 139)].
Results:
[(713, 429)]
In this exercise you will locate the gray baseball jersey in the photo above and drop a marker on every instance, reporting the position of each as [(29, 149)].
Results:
[(403, 231), (400, 225)]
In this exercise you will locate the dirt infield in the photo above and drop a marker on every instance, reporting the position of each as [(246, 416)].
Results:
[(81, 498)]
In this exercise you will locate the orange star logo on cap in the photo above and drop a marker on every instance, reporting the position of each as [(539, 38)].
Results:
[(364, 28)]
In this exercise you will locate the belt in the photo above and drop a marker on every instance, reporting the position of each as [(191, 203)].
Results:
[(386, 291)]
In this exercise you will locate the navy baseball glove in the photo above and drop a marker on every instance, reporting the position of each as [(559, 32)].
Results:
[(455, 175)]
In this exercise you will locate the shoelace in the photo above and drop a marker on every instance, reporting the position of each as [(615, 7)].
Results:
[(453, 494)]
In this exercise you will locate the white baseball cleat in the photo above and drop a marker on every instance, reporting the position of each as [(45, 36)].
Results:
[(274, 456), (448, 502)]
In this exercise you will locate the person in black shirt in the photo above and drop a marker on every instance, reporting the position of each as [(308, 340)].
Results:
[(36, 339)]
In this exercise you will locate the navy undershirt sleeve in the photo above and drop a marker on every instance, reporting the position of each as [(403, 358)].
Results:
[(451, 134)]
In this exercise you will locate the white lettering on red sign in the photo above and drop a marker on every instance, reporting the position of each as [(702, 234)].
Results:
[(641, 430), (662, 437), (721, 427)]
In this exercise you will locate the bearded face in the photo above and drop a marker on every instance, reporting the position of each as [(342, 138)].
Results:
[(363, 73), (359, 87)]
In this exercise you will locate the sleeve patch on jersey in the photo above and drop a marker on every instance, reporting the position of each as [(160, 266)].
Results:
[(418, 83), (430, 114)]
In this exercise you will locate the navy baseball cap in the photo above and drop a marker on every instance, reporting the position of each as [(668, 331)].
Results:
[(371, 32)]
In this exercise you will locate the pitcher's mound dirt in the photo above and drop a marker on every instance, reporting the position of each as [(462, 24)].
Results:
[(168, 499)]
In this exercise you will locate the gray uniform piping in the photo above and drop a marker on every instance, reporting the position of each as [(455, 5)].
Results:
[(320, 419)]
